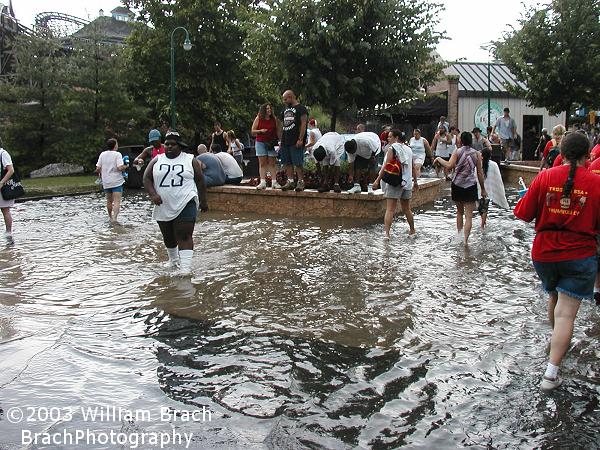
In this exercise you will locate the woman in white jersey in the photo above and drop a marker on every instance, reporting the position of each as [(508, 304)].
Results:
[(420, 148), (176, 186)]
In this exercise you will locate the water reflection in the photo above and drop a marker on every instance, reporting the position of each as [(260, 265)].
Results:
[(295, 333)]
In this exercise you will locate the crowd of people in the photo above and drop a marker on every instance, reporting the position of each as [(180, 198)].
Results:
[(564, 199)]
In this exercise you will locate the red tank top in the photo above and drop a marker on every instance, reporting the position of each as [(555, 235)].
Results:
[(158, 151), (271, 126)]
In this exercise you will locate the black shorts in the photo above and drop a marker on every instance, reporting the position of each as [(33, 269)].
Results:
[(464, 195), (361, 163)]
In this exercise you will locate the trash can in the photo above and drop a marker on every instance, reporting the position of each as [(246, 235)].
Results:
[(135, 178), (250, 162)]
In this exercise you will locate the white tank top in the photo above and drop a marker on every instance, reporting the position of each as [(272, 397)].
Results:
[(174, 182), (418, 148)]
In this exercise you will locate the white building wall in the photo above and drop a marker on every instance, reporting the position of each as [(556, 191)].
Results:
[(518, 108)]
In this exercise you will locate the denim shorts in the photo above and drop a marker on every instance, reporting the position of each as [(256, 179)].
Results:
[(291, 155), (264, 149), (114, 189), (189, 213), (574, 278)]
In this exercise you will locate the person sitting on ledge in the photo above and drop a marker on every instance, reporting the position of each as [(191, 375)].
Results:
[(327, 152), (233, 172), (214, 175), (361, 150)]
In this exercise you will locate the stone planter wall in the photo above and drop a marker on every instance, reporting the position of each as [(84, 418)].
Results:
[(310, 203)]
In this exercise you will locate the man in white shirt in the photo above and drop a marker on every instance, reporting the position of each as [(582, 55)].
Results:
[(327, 152), (361, 150), (507, 131), (233, 172)]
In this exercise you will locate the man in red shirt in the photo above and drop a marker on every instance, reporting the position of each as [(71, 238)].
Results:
[(565, 203)]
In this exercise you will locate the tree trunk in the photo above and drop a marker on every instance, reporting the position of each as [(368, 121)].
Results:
[(333, 119), (567, 112)]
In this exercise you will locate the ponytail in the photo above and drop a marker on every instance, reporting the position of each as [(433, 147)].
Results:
[(568, 186), (487, 154), (574, 146)]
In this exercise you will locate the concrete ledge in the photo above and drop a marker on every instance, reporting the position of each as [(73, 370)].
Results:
[(511, 173), (310, 203)]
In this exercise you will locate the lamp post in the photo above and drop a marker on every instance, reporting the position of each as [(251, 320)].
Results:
[(488, 47), (187, 46)]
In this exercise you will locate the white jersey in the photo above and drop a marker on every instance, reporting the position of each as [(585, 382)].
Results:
[(174, 182), (367, 143), (333, 143)]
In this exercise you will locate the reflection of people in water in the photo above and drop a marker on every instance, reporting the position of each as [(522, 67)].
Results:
[(176, 186)]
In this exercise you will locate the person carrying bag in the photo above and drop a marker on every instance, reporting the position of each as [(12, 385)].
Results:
[(10, 181), (7, 185)]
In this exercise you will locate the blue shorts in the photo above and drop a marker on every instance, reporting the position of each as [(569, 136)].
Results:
[(574, 278), (115, 189), (189, 213), (264, 149), (291, 155)]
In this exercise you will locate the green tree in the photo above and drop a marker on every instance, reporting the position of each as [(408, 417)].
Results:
[(212, 82), (556, 53), (345, 54), (64, 100), (31, 98)]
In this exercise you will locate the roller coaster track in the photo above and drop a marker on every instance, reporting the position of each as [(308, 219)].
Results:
[(59, 24)]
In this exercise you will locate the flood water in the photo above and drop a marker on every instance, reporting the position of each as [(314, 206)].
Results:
[(291, 334)]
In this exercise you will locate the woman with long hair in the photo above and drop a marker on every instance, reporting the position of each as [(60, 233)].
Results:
[(468, 171), (564, 201), (494, 186), (265, 127)]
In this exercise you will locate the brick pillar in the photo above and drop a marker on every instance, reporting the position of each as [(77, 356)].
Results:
[(453, 101)]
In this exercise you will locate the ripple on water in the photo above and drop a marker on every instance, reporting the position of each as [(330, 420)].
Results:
[(295, 333)]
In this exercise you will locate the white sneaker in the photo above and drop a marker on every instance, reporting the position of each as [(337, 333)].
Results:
[(356, 189), (275, 185), (172, 264), (549, 384), (262, 185), (370, 189)]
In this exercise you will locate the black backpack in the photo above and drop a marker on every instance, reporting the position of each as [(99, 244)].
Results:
[(552, 154)]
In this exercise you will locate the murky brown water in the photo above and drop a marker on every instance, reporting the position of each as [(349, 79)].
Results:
[(294, 334)]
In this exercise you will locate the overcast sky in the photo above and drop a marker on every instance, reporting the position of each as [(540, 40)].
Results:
[(468, 23)]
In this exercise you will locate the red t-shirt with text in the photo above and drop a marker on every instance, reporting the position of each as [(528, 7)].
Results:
[(564, 230), (559, 160)]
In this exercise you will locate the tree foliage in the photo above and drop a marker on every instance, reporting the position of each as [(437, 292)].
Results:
[(342, 54), (64, 100), (556, 53), (211, 80)]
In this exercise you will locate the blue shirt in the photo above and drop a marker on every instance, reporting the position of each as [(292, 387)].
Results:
[(214, 175)]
